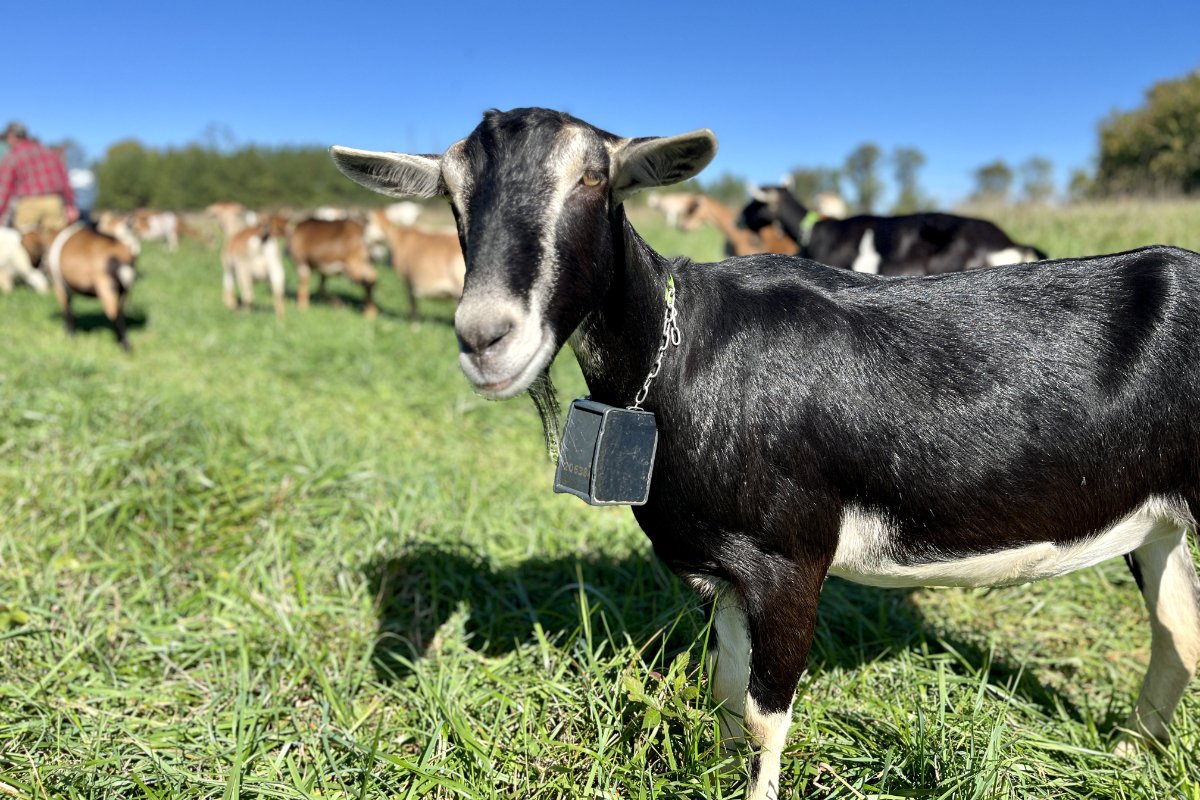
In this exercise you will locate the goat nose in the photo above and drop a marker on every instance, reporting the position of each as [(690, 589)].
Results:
[(478, 336)]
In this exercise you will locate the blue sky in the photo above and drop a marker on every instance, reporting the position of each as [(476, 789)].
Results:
[(781, 84)]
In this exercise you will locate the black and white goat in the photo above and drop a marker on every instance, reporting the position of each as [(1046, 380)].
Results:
[(976, 429), (914, 244)]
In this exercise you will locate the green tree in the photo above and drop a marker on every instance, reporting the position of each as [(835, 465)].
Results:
[(993, 182), (192, 177), (728, 188), (1037, 179), (125, 176), (907, 162), (808, 182), (1154, 149), (861, 170), (1081, 185)]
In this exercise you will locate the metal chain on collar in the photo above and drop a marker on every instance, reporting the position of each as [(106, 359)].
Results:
[(670, 337)]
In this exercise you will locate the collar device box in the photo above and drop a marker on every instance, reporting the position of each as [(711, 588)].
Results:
[(607, 454)]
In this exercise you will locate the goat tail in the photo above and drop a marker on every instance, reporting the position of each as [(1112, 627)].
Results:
[(545, 398)]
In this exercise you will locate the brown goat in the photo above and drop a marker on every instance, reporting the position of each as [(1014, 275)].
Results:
[(741, 242), (252, 254), (120, 227), (430, 263), (232, 217), (84, 261), (331, 247)]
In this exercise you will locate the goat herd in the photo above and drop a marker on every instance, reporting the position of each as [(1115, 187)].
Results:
[(914, 244), (99, 259)]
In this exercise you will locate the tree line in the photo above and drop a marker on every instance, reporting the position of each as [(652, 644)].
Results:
[(134, 176), (860, 181), (1151, 150)]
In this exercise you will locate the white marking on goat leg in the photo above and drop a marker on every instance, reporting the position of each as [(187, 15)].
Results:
[(769, 732), (36, 280), (738, 713), (868, 257), (729, 665), (126, 275), (866, 552), (1172, 594)]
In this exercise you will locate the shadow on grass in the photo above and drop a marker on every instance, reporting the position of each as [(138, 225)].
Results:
[(417, 594), (90, 321), (500, 606), (355, 301)]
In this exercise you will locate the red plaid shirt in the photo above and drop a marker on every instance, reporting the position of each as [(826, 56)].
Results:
[(31, 169)]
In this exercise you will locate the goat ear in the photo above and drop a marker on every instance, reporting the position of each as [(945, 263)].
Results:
[(393, 174), (661, 161)]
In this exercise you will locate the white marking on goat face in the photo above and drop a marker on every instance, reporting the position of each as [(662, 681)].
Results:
[(868, 257), (493, 309), (867, 543)]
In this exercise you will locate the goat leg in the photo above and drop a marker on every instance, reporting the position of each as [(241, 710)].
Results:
[(64, 303), (304, 272), (778, 604), (113, 302), (370, 310)]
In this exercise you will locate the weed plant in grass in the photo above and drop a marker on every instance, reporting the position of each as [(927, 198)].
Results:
[(302, 559)]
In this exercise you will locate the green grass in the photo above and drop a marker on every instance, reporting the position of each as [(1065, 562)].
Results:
[(296, 560), (1100, 227)]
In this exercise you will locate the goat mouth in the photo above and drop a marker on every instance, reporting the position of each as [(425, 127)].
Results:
[(494, 388), (518, 379)]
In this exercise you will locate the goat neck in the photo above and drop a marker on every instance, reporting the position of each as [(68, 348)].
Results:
[(616, 343)]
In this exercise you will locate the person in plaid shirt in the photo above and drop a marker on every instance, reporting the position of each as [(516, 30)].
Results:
[(33, 179)]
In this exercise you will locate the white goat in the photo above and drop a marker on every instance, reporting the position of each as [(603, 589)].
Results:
[(15, 263)]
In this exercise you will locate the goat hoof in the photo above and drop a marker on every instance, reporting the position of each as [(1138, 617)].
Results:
[(1126, 748), (1134, 746)]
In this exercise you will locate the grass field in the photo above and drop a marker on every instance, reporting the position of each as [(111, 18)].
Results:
[(303, 559)]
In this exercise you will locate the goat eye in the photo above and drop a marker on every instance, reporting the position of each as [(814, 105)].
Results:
[(591, 178)]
